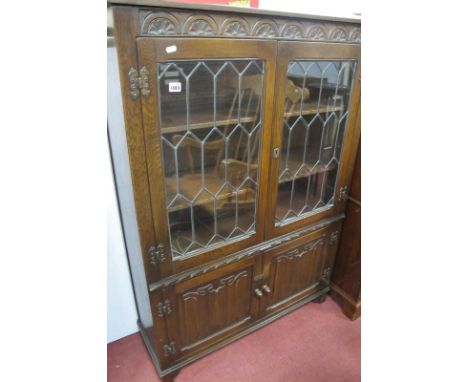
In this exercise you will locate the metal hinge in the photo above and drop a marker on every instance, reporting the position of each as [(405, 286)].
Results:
[(326, 274), (156, 254), (139, 84), (164, 308), (333, 238), (343, 194), (169, 349)]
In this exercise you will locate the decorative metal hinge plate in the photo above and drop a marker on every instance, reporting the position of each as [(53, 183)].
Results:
[(156, 254), (343, 194), (333, 238), (164, 308), (139, 84), (326, 274), (169, 349)]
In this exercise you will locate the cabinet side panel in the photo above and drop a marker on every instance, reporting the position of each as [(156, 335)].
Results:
[(347, 274), (118, 143)]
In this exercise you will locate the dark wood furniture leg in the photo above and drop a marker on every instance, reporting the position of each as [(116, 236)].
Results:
[(321, 299), (170, 377)]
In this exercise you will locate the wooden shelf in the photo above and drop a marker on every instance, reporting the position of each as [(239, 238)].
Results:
[(189, 185), (282, 205), (204, 230), (203, 119), (200, 120), (296, 164), (309, 108)]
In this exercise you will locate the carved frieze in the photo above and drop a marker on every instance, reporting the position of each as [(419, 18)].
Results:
[(161, 24), (210, 288), (293, 32), (183, 22), (265, 29), (242, 255), (200, 25), (301, 251), (235, 27), (317, 33), (338, 34), (356, 35)]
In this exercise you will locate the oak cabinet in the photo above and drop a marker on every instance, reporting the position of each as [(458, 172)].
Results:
[(241, 137)]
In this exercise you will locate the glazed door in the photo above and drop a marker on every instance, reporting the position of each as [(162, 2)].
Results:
[(315, 136), (207, 124)]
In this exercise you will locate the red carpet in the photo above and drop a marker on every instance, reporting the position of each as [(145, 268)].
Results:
[(315, 343)]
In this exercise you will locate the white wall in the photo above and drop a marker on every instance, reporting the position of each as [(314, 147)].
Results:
[(121, 310), (337, 8)]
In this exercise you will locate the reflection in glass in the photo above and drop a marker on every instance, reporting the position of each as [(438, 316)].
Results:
[(210, 119), (316, 110)]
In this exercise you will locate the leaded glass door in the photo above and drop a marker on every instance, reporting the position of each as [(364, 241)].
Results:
[(205, 130), (314, 137)]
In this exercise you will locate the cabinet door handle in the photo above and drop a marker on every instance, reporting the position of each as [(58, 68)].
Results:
[(266, 288), (258, 292)]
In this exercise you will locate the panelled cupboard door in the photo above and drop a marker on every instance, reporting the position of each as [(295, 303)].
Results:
[(208, 308), (298, 269), (315, 135), (207, 106)]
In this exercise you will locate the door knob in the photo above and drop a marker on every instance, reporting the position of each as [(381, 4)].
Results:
[(258, 292), (266, 288)]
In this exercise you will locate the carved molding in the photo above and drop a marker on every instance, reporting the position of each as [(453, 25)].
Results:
[(356, 35), (317, 33), (338, 34), (242, 255), (235, 26), (200, 25), (209, 288), (182, 22), (293, 31), (297, 253), (161, 24), (265, 29)]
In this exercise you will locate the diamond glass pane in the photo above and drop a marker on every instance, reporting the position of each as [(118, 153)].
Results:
[(317, 95), (210, 119)]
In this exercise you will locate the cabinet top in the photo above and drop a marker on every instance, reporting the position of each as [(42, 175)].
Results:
[(232, 9), (173, 19)]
